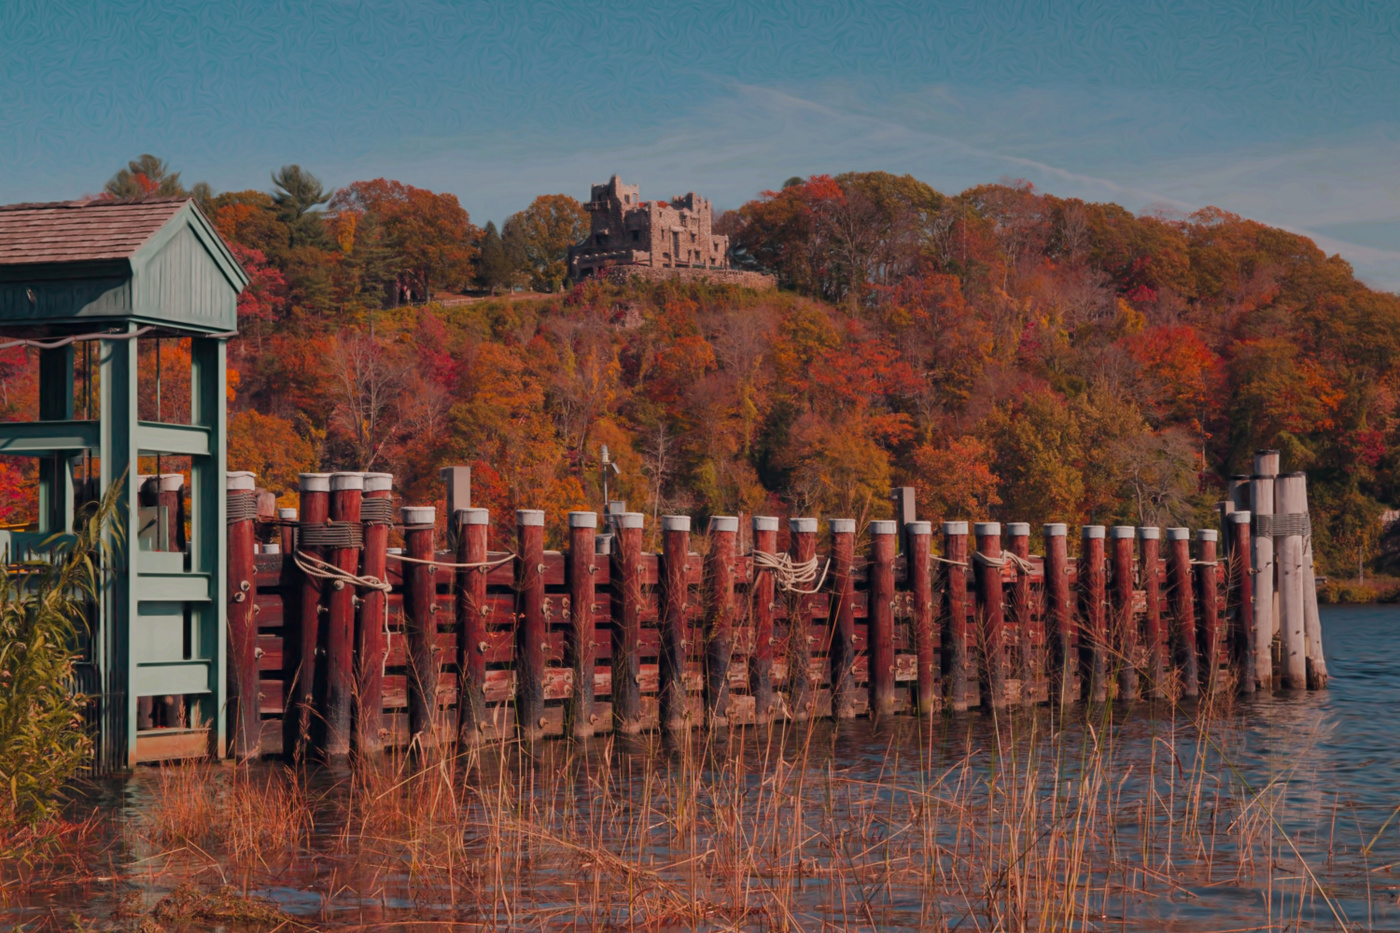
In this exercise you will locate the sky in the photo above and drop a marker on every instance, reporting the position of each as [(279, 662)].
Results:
[(1288, 113)]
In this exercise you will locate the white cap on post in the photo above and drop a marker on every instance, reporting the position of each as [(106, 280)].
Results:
[(883, 528), (273, 548), (239, 481), (379, 482), (287, 515), (1207, 534), (919, 528), (724, 523), (675, 523), (343, 482), (419, 514), (583, 519), (842, 526), (1119, 532), (1149, 533), (765, 523), (1178, 534), (314, 482), (1093, 531), (169, 482), (629, 519), (802, 525), (955, 528), (473, 517), (983, 529), (1240, 518), (1018, 529), (528, 518), (1055, 530)]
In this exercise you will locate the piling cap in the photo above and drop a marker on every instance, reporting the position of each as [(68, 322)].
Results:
[(1240, 518), (629, 519), (987, 528), (728, 523), (1055, 530), (379, 482), (616, 507), (393, 550), (1123, 531), (919, 528), (765, 523), (314, 482), (419, 514), (1151, 532), (473, 516), (529, 517), (675, 523), (1178, 534), (287, 515), (343, 482), (239, 481), (273, 548), (882, 528), (955, 528), (602, 544), (1207, 534), (802, 525), (1018, 529), (583, 519), (169, 482), (841, 526), (1092, 531)]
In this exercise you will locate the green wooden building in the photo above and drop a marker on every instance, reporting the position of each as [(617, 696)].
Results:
[(116, 275)]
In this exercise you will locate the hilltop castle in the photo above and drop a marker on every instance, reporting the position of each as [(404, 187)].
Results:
[(653, 239)]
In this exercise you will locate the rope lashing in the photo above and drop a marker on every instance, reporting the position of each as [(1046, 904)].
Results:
[(321, 570), (791, 576), (242, 506), (483, 565), (377, 511), (1015, 560), (1286, 525), (331, 534), (944, 560)]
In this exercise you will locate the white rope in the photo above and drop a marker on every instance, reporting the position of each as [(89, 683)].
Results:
[(791, 576), (1016, 560), (315, 567), (484, 565), (944, 560)]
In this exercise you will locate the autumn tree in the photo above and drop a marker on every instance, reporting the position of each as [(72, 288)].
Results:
[(543, 233), (145, 177)]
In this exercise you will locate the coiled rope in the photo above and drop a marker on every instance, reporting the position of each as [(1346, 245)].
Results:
[(1007, 557), (483, 565), (791, 576), (321, 570)]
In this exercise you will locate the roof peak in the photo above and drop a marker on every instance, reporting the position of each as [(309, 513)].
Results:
[(80, 203)]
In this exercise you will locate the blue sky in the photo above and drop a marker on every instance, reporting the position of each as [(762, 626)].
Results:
[(1285, 112)]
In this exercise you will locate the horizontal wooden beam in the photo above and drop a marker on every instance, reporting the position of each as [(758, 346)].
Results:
[(36, 438), (154, 438)]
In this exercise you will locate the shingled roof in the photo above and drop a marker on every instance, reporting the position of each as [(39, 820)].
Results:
[(79, 231)]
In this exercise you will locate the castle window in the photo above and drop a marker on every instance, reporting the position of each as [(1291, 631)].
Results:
[(636, 235)]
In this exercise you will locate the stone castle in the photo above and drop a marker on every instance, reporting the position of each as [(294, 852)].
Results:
[(629, 237)]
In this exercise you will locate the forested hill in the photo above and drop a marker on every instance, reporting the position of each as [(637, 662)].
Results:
[(1008, 353)]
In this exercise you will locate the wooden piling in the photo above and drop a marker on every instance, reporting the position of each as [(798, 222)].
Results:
[(580, 648), (302, 669), (955, 660), (170, 496), (801, 695), (1125, 630), (880, 617), (627, 623), (991, 613), (763, 592), (531, 637), (1207, 602), (1018, 543), (1312, 622), (1261, 497), (1242, 645), (1183, 612), (371, 638), (842, 617), (1064, 653), (420, 623), (918, 536), (719, 616), (675, 591), (287, 531), (471, 608), (1093, 600), (1290, 501), (1149, 542), (244, 719), (347, 489)]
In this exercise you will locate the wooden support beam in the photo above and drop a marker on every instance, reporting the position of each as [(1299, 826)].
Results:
[(334, 714), (842, 617), (420, 623), (880, 618), (955, 661), (991, 612), (371, 639), (627, 623), (1125, 630), (1261, 497), (919, 538), (719, 616), (302, 668), (1290, 498), (244, 725), (1183, 612), (1092, 594), (1242, 645), (675, 555), (1018, 536), (471, 608), (762, 593), (580, 647), (1208, 603), (1150, 544), (801, 695), (531, 636)]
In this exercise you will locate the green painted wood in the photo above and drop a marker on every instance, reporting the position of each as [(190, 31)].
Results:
[(42, 437), (175, 678), (183, 587), (154, 438)]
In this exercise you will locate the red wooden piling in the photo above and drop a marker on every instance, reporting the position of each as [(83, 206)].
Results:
[(1207, 600), (1125, 630), (763, 592), (171, 497), (842, 618), (802, 547), (347, 489), (1019, 544), (1183, 613), (719, 616), (1150, 542), (1242, 645), (371, 638), (1064, 653), (531, 636), (675, 555), (580, 648), (1093, 596), (244, 726), (302, 672), (420, 622), (955, 661), (627, 623), (287, 531), (880, 617), (991, 614), (471, 610), (919, 537)]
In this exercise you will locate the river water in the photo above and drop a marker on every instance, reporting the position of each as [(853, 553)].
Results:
[(1272, 813)]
